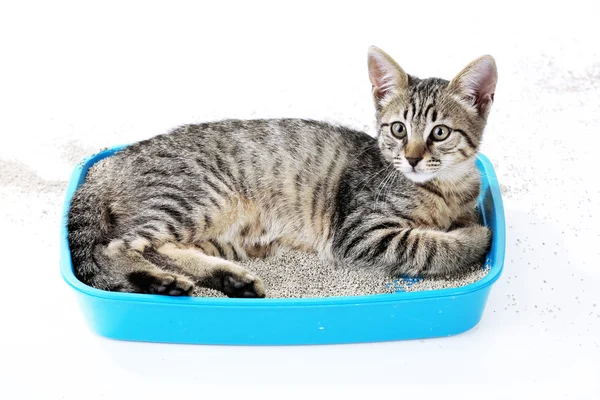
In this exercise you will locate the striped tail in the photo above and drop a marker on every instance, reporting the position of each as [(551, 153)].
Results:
[(88, 226)]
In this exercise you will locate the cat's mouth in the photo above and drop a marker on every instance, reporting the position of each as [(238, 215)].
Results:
[(418, 176), (419, 173)]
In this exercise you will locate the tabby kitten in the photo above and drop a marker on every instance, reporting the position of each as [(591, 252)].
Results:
[(179, 209)]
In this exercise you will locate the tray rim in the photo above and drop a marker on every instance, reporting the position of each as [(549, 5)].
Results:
[(496, 256)]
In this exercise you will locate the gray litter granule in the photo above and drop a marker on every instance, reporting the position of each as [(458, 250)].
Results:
[(206, 292), (295, 275)]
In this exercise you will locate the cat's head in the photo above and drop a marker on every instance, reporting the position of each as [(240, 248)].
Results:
[(431, 128)]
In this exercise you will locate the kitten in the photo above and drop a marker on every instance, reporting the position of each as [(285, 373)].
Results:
[(177, 210)]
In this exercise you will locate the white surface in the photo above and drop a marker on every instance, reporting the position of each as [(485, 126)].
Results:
[(75, 78)]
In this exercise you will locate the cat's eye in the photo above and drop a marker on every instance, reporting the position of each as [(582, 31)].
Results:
[(398, 130), (440, 132)]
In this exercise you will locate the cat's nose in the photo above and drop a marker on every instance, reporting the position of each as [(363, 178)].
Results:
[(413, 161)]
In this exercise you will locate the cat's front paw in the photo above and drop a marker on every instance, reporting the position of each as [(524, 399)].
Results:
[(243, 285), (480, 238), (466, 220)]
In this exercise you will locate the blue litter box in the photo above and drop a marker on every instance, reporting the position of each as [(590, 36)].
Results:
[(374, 318)]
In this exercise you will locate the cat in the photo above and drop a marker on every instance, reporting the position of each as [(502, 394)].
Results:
[(179, 209)]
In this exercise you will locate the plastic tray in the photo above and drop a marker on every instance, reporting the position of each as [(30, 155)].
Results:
[(371, 318)]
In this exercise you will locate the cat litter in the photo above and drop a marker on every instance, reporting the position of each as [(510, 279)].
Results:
[(300, 275)]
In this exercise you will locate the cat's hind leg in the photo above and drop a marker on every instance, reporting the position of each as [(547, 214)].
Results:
[(233, 252), (214, 272), (127, 270)]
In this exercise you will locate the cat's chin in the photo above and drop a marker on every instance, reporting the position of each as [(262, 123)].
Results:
[(419, 177)]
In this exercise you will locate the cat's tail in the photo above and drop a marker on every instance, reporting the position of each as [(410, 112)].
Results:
[(88, 226)]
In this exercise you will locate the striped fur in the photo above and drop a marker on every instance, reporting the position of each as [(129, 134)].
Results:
[(179, 209)]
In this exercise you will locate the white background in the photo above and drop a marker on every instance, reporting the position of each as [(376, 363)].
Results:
[(78, 77)]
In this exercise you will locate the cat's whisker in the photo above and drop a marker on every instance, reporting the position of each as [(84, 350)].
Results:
[(371, 177), (392, 183), (384, 182)]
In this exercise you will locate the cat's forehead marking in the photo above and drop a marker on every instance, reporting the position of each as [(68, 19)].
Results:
[(423, 97), (419, 104)]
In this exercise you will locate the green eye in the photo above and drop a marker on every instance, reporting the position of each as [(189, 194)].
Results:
[(398, 130), (440, 132)]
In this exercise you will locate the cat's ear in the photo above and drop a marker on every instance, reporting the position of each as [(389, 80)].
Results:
[(475, 85), (386, 76)]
